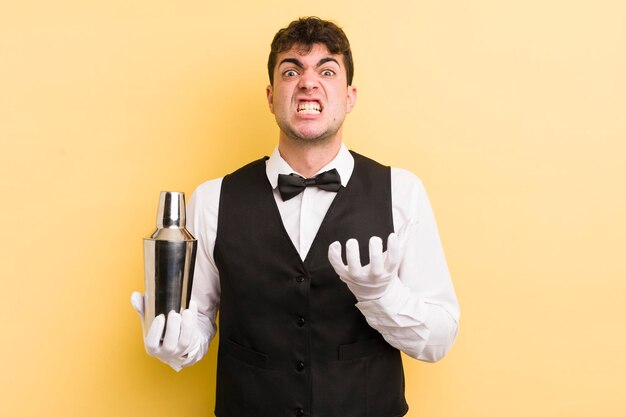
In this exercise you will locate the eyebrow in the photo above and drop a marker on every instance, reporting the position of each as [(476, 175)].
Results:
[(299, 64)]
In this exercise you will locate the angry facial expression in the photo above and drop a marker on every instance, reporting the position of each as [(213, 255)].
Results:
[(310, 96)]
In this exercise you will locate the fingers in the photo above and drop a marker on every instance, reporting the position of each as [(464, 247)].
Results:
[(397, 242), (180, 331), (394, 251), (334, 257), (193, 306), (188, 326), (353, 257), (153, 339), (377, 263), (172, 332), (136, 299)]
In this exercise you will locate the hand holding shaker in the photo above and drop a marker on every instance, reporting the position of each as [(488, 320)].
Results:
[(169, 259)]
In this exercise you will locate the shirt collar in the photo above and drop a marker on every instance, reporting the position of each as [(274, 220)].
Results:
[(343, 163)]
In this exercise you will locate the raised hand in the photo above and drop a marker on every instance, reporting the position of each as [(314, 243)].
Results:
[(370, 282)]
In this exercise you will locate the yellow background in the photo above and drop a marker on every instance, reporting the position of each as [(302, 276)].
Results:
[(511, 112)]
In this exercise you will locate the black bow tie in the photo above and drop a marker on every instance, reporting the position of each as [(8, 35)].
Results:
[(291, 185)]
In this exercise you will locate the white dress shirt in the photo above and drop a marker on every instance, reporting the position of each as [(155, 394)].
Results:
[(419, 312)]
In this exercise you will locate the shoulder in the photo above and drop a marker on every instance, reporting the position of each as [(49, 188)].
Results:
[(203, 208), (253, 167), (206, 197), (365, 161), (400, 178), (404, 179), (208, 189), (207, 194), (407, 189)]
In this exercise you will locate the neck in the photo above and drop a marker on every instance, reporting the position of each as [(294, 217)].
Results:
[(308, 158)]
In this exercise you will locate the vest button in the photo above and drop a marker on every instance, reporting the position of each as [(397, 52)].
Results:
[(299, 278), (299, 412), (300, 366), (300, 322)]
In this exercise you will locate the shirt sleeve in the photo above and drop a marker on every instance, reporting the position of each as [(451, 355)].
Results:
[(202, 212), (419, 312)]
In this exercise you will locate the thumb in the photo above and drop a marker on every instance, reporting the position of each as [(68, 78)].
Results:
[(136, 300), (334, 257), (193, 306), (397, 243)]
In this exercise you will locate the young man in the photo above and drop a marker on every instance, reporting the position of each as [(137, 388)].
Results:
[(303, 333)]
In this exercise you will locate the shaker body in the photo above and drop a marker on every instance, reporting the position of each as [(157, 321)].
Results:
[(169, 260)]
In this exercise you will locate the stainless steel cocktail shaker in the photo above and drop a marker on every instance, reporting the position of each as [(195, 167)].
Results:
[(169, 259)]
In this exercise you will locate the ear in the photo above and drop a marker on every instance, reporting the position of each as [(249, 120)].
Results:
[(270, 97), (351, 98)]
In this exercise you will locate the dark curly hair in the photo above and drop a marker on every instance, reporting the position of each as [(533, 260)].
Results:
[(306, 32)]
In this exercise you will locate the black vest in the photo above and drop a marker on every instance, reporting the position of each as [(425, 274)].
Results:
[(292, 342)]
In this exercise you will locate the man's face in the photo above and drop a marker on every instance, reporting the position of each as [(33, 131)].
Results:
[(310, 96)]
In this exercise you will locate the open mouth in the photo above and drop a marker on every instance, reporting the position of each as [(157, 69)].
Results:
[(309, 107)]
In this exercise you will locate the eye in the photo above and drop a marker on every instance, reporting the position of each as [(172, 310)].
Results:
[(290, 73), (328, 73)]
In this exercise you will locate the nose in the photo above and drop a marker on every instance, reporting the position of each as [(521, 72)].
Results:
[(308, 81)]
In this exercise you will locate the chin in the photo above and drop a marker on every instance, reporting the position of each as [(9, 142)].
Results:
[(313, 139)]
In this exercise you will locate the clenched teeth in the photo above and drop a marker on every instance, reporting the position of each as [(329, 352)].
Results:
[(309, 107)]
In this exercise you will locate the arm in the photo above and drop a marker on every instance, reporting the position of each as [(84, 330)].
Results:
[(416, 310), (188, 334), (202, 223)]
